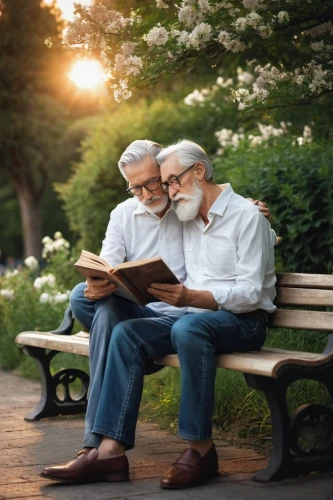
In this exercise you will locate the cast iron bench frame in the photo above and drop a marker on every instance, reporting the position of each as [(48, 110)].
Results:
[(268, 370)]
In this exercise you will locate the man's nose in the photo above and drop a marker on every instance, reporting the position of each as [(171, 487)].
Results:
[(146, 195)]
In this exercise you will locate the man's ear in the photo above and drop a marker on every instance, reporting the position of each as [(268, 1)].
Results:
[(200, 171)]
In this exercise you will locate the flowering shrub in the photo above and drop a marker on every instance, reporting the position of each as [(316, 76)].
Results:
[(143, 47), (34, 299)]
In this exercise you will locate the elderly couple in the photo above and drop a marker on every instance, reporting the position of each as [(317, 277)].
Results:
[(222, 248)]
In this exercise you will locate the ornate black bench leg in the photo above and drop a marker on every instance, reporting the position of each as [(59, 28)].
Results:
[(303, 442), (50, 404), (280, 464)]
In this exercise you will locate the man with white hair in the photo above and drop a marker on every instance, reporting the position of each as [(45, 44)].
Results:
[(141, 227)]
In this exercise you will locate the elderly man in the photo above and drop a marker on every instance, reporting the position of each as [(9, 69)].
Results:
[(118, 361)]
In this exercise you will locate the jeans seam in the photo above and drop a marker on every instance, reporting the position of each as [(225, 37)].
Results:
[(130, 384), (204, 378)]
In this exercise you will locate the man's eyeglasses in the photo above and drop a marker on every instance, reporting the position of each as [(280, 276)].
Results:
[(174, 180), (149, 185)]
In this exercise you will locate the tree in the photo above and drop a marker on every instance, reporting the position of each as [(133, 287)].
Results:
[(291, 42), (31, 121)]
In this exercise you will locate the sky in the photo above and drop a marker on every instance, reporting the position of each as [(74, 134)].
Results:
[(67, 6)]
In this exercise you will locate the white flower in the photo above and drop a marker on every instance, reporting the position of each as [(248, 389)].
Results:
[(31, 262), (317, 46), (57, 235), (161, 5), (46, 239), (133, 65), (283, 16), (48, 279), (127, 48), (60, 297), (156, 36), (223, 37), (196, 97), (44, 298), (244, 77), (189, 16), (122, 92), (265, 31), (10, 274), (8, 294), (200, 34)]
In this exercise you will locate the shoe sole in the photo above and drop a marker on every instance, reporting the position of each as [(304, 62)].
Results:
[(198, 482), (111, 478)]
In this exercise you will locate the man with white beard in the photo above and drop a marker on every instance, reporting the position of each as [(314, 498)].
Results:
[(141, 227)]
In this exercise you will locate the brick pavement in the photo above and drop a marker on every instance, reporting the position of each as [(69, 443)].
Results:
[(28, 446)]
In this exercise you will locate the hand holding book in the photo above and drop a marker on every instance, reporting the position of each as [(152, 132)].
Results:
[(132, 279)]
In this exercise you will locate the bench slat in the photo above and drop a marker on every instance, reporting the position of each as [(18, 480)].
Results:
[(77, 344), (266, 362), (304, 296), (303, 320), (305, 280)]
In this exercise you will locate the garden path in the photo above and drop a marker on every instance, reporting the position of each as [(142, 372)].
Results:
[(28, 446)]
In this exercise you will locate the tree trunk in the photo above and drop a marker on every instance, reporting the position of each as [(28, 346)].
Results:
[(29, 205)]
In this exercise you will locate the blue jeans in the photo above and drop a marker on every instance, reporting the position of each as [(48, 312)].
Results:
[(196, 338), (100, 317)]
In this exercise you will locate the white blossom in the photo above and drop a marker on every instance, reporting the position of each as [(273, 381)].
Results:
[(265, 31), (122, 92), (161, 5), (31, 262), (10, 274), (200, 34), (133, 65), (254, 4), (317, 46), (61, 297), (189, 16), (156, 36), (8, 294), (47, 279), (283, 16), (44, 298), (224, 37)]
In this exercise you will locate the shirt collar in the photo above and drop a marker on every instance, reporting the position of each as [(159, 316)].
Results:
[(140, 209), (220, 204)]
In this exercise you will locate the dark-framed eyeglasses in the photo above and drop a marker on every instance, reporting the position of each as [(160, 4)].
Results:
[(174, 180), (149, 185)]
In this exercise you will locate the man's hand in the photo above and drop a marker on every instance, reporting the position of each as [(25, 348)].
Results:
[(263, 208), (98, 288), (180, 296), (175, 295)]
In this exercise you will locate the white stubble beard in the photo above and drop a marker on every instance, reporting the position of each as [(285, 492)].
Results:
[(188, 209)]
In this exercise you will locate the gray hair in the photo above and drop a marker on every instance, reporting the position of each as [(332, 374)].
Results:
[(188, 152), (136, 152)]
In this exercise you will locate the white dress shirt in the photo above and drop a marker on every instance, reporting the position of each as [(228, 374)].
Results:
[(233, 256), (134, 234)]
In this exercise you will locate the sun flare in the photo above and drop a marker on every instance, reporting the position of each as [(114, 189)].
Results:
[(87, 74)]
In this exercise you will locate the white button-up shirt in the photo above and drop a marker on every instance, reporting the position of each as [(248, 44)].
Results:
[(233, 256), (134, 234)]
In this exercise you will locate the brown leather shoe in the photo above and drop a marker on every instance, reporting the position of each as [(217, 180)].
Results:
[(191, 469), (88, 469)]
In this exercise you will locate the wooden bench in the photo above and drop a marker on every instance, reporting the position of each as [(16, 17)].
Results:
[(269, 370)]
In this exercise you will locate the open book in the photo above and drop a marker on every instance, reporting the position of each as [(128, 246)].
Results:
[(132, 278)]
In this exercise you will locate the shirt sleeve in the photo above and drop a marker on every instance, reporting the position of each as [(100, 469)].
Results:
[(255, 244), (113, 246)]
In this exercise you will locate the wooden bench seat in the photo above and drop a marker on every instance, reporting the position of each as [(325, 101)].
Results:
[(269, 370)]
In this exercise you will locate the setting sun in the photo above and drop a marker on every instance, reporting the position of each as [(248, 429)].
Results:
[(87, 74)]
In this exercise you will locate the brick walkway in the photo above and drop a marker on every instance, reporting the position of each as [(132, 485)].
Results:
[(28, 446)]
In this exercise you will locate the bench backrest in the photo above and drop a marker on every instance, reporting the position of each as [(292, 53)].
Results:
[(294, 289)]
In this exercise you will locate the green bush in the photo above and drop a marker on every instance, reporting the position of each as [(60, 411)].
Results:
[(297, 183)]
